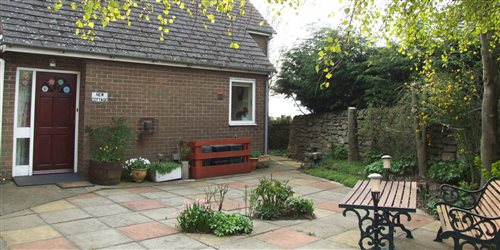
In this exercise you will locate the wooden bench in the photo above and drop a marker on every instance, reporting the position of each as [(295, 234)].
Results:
[(470, 216)]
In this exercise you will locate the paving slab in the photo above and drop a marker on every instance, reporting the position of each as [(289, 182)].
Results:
[(141, 205), (20, 222), (109, 192), (98, 239), (146, 230), (20, 236), (212, 240), (64, 215), (326, 244), (80, 226), (260, 227), (131, 246), (125, 197), (159, 194), (287, 238), (105, 210), (317, 228), (246, 243), (174, 241), (161, 213), (16, 214), (349, 238), (121, 220), (90, 202), (54, 243), (52, 206)]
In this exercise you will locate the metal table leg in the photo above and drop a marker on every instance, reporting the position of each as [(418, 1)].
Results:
[(396, 221), (385, 229)]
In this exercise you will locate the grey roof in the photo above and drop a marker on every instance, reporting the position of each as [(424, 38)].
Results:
[(28, 23)]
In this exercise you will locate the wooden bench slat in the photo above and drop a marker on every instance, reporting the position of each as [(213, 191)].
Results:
[(399, 193), (494, 199), (392, 193), (362, 195), (413, 198), (349, 195), (387, 187)]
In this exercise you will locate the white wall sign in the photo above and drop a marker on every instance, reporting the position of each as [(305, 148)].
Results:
[(99, 97)]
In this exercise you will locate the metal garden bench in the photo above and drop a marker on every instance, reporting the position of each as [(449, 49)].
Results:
[(470, 217)]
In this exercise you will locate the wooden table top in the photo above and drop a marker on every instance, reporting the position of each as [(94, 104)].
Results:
[(394, 196)]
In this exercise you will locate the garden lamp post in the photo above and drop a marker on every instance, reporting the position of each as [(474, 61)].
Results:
[(375, 180), (386, 160)]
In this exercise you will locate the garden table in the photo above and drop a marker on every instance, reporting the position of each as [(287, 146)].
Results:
[(397, 198)]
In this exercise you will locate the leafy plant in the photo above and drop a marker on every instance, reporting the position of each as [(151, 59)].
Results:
[(448, 171), (402, 166), (273, 199), (196, 217), (300, 206), (137, 163), (255, 154), (224, 224), (338, 151), (164, 167), (218, 194), (110, 142), (372, 155)]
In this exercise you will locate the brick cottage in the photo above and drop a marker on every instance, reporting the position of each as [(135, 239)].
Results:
[(191, 86)]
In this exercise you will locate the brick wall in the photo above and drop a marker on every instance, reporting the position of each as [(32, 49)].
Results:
[(262, 41), (184, 101)]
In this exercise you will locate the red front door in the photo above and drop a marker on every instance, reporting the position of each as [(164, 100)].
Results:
[(54, 147)]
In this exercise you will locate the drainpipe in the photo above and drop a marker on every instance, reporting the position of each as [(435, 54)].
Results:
[(266, 113), (2, 74)]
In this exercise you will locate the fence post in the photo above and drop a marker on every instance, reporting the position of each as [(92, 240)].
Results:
[(352, 135)]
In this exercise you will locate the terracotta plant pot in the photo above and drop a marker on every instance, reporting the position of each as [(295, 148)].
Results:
[(138, 175), (253, 162), (105, 173)]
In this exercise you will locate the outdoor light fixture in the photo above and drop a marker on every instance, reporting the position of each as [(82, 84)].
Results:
[(52, 62), (375, 180), (386, 160)]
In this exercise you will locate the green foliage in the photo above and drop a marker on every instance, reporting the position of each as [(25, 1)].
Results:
[(279, 132), (495, 170), (224, 224), (196, 217), (300, 206), (402, 167), (255, 154), (372, 155), (278, 152), (110, 142), (465, 185), (338, 151), (137, 163), (164, 167), (448, 171), (362, 75), (347, 173), (273, 199)]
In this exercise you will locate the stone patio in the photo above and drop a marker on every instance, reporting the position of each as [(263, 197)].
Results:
[(144, 217)]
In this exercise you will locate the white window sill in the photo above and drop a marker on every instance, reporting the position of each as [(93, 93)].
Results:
[(248, 123)]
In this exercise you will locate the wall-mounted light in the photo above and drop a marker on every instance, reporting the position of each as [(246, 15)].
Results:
[(52, 62)]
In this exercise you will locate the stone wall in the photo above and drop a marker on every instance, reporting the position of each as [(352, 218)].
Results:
[(315, 132)]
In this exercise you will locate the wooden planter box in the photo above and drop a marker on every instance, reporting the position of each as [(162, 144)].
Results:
[(175, 174), (221, 166)]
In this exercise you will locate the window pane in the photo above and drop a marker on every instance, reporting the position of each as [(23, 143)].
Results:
[(24, 99), (22, 151), (241, 102)]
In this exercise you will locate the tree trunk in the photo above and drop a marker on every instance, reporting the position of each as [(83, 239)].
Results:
[(352, 135), (489, 107), (420, 132)]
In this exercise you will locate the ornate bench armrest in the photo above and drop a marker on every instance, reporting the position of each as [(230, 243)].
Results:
[(459, 197), (480, 226)]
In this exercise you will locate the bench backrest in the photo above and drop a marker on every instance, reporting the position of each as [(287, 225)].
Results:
[(488, 204)]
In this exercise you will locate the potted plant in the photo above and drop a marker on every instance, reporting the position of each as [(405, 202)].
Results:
[(165, 171), (107, 146), (264, 161), (254, 159), (183, 151), (138, 168)]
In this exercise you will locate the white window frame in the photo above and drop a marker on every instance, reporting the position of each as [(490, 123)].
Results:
[(237, 80), (29, 132)]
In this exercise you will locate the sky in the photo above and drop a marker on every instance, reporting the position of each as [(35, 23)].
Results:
[(291, 29)]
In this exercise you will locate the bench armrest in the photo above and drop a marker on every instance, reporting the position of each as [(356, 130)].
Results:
[(458, 197), (478, 225)]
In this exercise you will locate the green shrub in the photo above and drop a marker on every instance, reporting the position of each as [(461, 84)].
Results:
[(196, 217), (372, 155), (402, 166), (300, 206), (272, 200), (255, 154), (224, 224), (164, 167), (448, 171), (338, 151)]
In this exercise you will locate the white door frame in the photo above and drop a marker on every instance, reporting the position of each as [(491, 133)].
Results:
[(27, 170)]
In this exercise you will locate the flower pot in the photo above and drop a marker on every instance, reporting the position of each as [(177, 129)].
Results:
[(138, 175), (253, 162), (185, 170), (173, 175), (105, 173)]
